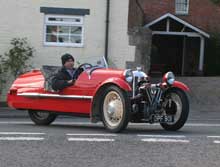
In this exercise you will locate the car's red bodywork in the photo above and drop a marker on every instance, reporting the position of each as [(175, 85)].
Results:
[(115, 97), (27, 91)]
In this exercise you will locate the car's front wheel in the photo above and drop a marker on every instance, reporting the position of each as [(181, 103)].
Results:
[(41, 117), (176, 103), (115, 109)]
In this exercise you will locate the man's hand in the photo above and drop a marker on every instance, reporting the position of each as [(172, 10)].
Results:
[(71, 81)]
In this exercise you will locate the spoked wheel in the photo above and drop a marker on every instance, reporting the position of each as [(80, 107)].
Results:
[(41, 117), (176, 103), (115, 109)]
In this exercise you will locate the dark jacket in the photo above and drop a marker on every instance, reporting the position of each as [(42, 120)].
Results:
[(59, 81)]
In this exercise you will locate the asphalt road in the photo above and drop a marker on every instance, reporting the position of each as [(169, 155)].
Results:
[(75, 142)]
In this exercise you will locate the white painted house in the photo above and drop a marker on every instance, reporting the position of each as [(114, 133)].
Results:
[(79, 27)]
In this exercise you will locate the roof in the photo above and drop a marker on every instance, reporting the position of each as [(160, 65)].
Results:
[(169, 15)]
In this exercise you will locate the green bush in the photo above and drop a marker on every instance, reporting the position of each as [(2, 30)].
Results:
[(2, 78), (16, 60)]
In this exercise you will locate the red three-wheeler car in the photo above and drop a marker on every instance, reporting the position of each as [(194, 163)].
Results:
[(115, 97)]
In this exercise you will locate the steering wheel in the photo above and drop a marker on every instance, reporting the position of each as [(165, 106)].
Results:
[(81, 68), (85, 66)]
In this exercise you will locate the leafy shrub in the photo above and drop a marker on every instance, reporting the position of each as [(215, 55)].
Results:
[(2, 78), (15, 61)]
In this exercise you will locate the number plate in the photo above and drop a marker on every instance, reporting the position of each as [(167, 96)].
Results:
[(164, 118)]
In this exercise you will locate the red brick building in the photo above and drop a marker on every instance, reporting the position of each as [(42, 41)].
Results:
[(180, 29)]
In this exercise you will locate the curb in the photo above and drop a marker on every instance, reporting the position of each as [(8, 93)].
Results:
[(3, 104), (6, 112)]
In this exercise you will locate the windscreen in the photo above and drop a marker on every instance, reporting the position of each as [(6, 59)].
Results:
[(95, 61)]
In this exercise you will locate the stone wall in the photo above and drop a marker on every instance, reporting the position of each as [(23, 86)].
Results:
[(204, 92), (141, 38)]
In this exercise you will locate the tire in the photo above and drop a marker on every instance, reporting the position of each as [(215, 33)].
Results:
[(41, 117), (115, 109), (179, 107)]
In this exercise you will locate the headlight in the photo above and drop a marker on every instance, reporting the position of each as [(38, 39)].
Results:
[(169, 78), (140, 75), (128, 75)]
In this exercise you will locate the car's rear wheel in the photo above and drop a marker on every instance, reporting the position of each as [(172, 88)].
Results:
[(115, 109), (41, 117)]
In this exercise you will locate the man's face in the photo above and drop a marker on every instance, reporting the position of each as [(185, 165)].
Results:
[(69, 64)]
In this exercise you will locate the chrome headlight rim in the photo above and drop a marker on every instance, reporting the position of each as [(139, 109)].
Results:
[(128, 74), (140, 75), (170, 78)]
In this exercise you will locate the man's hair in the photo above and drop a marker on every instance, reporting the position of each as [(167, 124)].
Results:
[(66, 57)]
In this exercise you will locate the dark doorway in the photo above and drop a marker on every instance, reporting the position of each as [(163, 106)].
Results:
[(167, 54)]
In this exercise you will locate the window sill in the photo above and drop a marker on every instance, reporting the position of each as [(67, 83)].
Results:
[(182, 13), (64, 45)]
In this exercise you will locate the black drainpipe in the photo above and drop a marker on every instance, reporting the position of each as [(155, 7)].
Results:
[(107, 28)]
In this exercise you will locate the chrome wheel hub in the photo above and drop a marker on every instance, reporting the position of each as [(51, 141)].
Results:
[(113, 108), (178, 107)]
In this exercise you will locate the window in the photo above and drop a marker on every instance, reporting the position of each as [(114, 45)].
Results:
[(62, 30), (182, 6)]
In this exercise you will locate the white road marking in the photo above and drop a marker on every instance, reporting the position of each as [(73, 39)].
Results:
[(164, 140), (213, 136), (91, 139), (20, 133), (162, 136), (21, 138), (72, 134), (216, 141)]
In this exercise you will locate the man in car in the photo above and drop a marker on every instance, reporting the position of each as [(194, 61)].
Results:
[(67, 74)]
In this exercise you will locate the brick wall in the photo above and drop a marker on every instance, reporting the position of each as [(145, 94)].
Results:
[(203, 14)]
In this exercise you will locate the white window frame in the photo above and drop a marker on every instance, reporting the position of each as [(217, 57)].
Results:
[(181, 12), (63, 23)]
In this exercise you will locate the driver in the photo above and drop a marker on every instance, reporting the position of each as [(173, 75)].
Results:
[(66, 75)]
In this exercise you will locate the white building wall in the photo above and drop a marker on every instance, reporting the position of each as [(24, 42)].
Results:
[(22, 18), (119, 49)]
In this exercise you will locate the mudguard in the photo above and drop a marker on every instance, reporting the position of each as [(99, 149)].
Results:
[(181, 86), (95, 113), (117, 81)]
